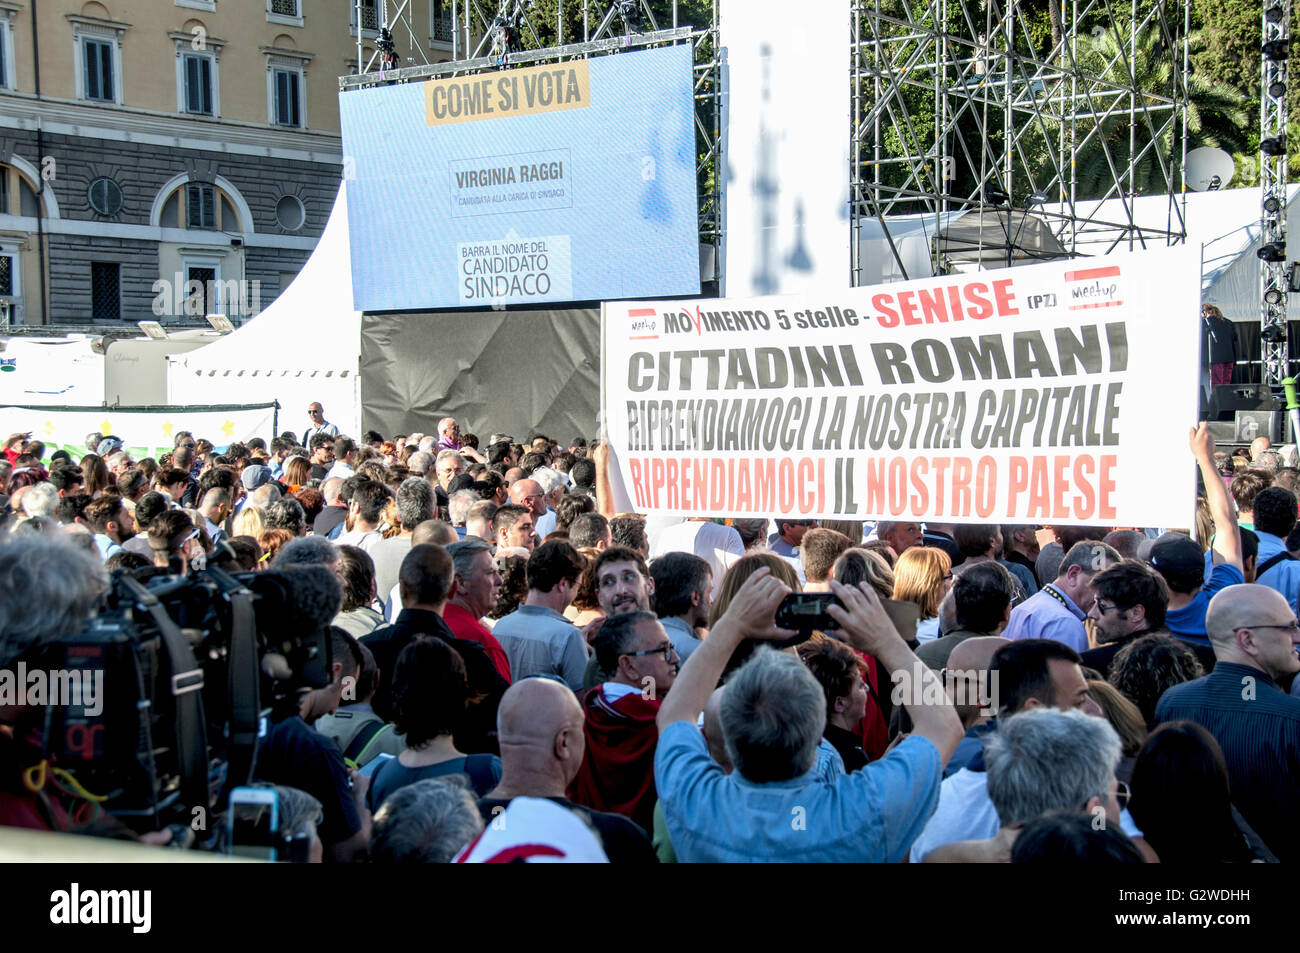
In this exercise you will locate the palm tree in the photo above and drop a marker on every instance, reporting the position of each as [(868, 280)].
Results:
[(1216, 116)]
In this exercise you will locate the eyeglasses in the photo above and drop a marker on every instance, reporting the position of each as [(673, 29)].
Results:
[(1102, 608), (1122, 794), (1292, 626), (667, 651)]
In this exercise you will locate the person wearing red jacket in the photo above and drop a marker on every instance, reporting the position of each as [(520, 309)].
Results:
[(617, 773)]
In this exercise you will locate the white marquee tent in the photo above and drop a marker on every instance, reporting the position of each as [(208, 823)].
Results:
[(306, 346)]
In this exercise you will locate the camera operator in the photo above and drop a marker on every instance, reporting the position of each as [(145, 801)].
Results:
[(295, 754), (48, 589)]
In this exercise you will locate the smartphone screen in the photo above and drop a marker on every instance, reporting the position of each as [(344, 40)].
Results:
[(806, 611), (253, 826)]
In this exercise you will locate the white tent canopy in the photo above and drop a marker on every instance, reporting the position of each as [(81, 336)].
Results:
[(1224, 223), (306, 346)]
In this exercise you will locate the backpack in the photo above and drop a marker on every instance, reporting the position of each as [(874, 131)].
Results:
[(1272, 561)]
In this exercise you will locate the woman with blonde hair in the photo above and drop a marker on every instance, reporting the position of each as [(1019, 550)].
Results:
[(249, 521), (742, 569), (923, 574)]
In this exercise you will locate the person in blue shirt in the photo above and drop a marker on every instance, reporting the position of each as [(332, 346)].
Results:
[(789, 533), (1178, 559), (773, 806), (1275, 517)]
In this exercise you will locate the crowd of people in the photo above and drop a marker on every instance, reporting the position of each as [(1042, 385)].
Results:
[(522, 673)]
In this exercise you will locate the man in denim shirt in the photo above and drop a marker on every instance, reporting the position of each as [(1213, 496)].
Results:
[(772, 807)]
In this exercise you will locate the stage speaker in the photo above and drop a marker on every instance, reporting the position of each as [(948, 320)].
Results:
[(1227, 400), (1224, 432), (1250, 424)]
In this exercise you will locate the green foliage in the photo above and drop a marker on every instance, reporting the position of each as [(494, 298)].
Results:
[(1225, 57), (546, 18), (1216, 116)]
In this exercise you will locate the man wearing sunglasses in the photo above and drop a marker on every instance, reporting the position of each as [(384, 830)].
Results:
[(316, 414), (1244, 704), (789, 534), (617, 773)]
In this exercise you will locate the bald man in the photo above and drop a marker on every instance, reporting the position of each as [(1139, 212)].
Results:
[(1258, 446), (540, 729), (529, 493), (1244, 704), (967, 678)]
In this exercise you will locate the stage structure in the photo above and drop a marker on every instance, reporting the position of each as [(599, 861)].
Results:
[(965, 109), (1274, 273), (391, 20), (490, 36)]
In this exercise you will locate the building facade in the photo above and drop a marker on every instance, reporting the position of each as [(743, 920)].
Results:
[(165, 159)]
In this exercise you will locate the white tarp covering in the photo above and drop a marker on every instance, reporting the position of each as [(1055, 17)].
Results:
[(145, 431), (1225, 223), (52, 371), (786, 143), (305, 347)]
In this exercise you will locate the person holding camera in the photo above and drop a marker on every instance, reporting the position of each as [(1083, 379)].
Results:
[(772, 806), (296, 754)]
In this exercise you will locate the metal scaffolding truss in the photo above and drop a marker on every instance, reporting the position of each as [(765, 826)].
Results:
[(958, 108), (494, 36), (1274, 283), (388, 24)]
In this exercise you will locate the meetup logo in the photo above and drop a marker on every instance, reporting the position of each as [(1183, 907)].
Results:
[(1093, 288)]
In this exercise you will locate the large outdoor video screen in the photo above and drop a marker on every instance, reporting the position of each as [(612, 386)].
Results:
[(565, 182)]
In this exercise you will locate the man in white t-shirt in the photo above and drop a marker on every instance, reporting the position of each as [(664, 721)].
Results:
[(719, 545)]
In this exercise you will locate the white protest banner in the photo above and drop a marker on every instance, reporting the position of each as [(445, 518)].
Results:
[(1052, 393), (144, 431)]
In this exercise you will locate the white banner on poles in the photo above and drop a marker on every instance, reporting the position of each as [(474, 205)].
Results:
[(144, 431), (1054, 393)]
